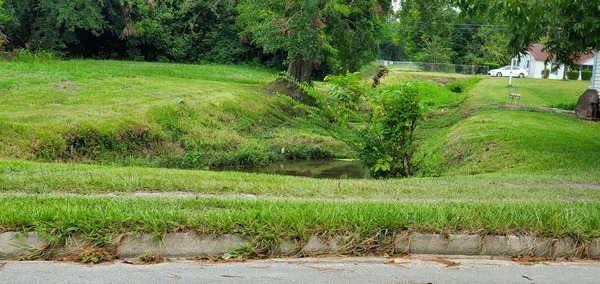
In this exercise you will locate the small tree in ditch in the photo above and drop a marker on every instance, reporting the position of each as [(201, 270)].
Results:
[(385, 121), (389, 138)]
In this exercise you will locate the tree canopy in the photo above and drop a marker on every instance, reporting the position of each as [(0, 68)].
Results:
[(2, 15), (168, 30), (435, 31), (3, 18), (567, 28), (343, 33), (334, 35)]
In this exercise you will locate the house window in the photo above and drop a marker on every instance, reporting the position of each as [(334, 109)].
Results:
[(527, 66), (587, 67)]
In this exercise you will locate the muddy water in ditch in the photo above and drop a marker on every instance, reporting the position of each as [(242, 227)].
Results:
[(334, 169)]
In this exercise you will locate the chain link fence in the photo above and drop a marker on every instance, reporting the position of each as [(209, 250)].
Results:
[(409, 66)]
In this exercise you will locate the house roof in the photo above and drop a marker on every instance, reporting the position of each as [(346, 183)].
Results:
[(584, 58), (536, 51)]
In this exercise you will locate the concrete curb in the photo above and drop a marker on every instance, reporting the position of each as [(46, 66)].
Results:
[(188, 245), (179, 245), (13, 244)]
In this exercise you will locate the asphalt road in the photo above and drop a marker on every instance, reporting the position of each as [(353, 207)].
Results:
[(416, 269)]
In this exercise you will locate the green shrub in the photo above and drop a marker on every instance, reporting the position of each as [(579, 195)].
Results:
[(572, 74), (389, 142), (463, 85), (455, 87), (545, 73), (586, 75), (386, 137), (349, 91), (305, 151), (492, 65)]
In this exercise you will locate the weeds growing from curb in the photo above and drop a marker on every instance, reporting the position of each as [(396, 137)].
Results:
[(95, 255), (150, 258)]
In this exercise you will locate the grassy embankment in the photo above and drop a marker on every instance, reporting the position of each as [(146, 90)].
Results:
[(164, 115), (498, 170), (491, 137)]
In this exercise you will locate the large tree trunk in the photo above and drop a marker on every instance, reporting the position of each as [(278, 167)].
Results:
[(301, 69)]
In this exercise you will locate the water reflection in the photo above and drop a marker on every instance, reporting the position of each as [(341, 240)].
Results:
[(334, 169)]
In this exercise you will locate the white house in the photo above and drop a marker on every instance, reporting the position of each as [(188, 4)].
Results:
[(396, 5), (534, 62)]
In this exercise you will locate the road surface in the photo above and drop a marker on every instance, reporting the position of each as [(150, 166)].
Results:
[(414, 269)]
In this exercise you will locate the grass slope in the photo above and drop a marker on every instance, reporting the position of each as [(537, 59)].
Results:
[(487, 135), (523, 141), (151, 114)]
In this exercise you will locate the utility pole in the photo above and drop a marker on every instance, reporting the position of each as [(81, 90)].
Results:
[(511, 71)]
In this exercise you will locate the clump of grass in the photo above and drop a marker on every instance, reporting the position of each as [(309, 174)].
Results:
[(95, 255), (28, 56), (565, 106), (150, 258), (463, 86), (434, 96), (243, 252)]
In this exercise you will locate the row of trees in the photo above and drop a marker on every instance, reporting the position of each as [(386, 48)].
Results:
[(168, 30), (434, 31), (3, 18), (484, 31), (567, 28), (334, 35)]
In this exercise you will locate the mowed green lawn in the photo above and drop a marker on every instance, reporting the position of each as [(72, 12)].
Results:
[(534, 92), (489, 169), (48, 99), (85, 91)]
